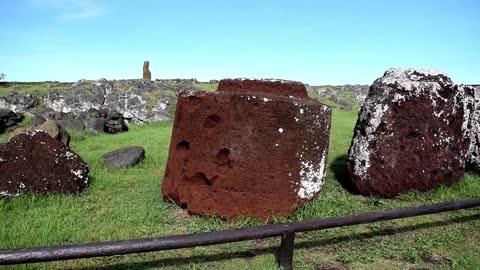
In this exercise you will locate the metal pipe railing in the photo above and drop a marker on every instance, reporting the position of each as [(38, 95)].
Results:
[(285, 231)]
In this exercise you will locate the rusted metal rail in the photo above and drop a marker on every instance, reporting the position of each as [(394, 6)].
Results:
[(286, 231)]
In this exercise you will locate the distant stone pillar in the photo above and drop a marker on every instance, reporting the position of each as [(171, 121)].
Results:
[(147, 75)]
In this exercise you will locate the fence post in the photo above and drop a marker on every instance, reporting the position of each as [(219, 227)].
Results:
[(285, 257)]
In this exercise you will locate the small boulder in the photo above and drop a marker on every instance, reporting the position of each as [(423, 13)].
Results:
[(56, 131), (124, 157), (115, 126), (35, 162), (77, 124), (96, 125), (92, 112), (38, 120), (9, 119), (51, 127), (410, 134)]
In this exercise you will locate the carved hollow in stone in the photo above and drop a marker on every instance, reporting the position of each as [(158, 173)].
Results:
[(243, 152)]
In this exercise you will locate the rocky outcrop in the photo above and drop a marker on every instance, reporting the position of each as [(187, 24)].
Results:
[(20, 102), (35, 162), (410, 134), (147, 75), (124, 157), (253, 148), (138, 100), (9, 119)]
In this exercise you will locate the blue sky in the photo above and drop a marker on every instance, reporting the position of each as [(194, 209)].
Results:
[(316, 42)]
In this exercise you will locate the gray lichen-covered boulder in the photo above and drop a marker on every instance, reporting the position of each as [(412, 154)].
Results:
[(35, 162), (124, 157), (410, 134), (473, 155)]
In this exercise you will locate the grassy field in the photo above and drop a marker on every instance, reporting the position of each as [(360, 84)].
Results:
[(31, 88), (128, 204)]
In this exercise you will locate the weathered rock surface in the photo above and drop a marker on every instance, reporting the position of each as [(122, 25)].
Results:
[(96, 125), (36, 162), (51, 127), (409, 134), (147, 75), (77, 124), (250, 153), (19, 102), (38, 120), (473, 155), (124, 157), (55, 131), (9, 119), (138, 100)]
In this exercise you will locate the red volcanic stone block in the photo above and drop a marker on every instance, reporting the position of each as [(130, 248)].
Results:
[(410, 134), (251, 153), (36, 162)]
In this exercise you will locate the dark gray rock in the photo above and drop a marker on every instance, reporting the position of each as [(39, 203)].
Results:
[(58, 115), (5, 113), (72, 123), (115, 126), (96, 125), (92, 112), (38, 120), (82, 115), (10, 119), (124, 157)]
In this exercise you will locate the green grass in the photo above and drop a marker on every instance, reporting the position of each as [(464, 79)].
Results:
[(31, 88), (128, 204), (209, 87)]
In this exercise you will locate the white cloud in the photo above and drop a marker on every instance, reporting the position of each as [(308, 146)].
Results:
[(71, 10)]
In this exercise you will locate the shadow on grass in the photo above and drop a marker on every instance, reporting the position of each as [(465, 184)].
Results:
[(339, 169), (251, 253)]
